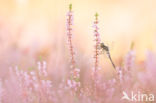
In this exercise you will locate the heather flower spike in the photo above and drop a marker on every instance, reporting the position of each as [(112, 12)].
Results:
[(130, 58), (103, 47), (73, 81), (97, 42), (69, 34)]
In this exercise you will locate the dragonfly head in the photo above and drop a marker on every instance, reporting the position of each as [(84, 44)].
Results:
[(104, 47)]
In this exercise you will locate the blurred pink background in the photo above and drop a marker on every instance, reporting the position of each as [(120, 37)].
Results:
[(31, 30)]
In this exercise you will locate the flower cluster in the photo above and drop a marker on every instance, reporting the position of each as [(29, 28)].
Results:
[(73, 81), (97, 42), (21, 85), (69, 34), (30, 87)]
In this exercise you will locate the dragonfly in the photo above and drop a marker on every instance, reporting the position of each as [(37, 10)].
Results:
[(105, 48)]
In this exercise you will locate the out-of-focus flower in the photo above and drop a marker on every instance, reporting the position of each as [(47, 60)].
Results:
[(129, 60), (42, 68), (148, 76)]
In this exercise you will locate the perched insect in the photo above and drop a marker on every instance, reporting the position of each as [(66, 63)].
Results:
[(105, 48)]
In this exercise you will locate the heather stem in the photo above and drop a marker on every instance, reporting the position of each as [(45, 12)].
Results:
[(96, 54), (73, 82), (97, 42), (69, 34)]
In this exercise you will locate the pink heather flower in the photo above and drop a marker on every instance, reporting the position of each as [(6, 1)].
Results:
[(120, 74), (150, 63), (97, 43), (148, 76), (73, 84), (47, 85), (42, 68), (69, 34), (129, 67), (27, 79), (74, 73), (69, 83), (129, 60)]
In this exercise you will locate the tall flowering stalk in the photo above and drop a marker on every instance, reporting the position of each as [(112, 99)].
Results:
[(130, 59), (96, 57), (126, 73), (97, 43), (129, 64), (69, 34), (73, 82)]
